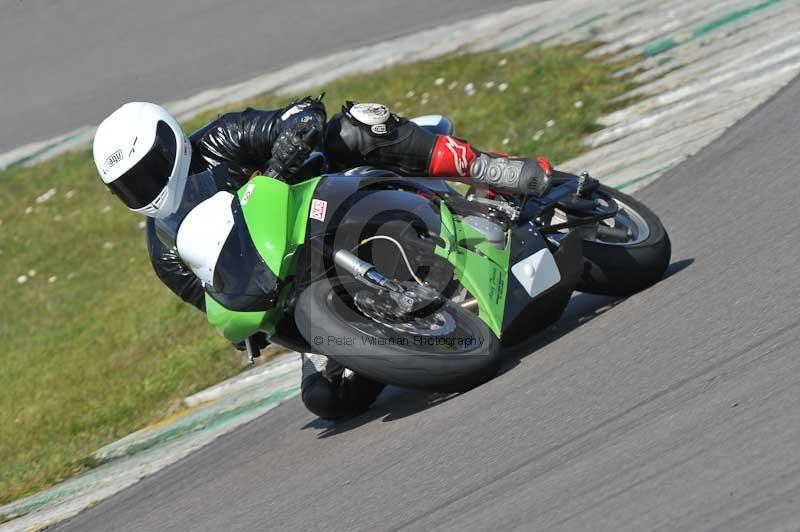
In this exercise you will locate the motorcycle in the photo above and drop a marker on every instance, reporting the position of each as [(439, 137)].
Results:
[(407, 281)]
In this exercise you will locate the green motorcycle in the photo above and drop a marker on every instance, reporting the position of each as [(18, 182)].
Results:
[(406, 280)]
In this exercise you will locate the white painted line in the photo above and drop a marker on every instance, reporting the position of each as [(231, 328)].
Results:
[(717, 47), (700, 104), (638, 148), (714, 84)]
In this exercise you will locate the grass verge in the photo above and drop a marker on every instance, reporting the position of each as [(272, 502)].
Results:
[(94, 347)]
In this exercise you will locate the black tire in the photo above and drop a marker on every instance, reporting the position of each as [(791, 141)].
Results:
[(624, 269), (327, 318)]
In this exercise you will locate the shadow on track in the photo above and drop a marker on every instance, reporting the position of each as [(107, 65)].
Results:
[(393, 404), (582, 308), (396, 403)]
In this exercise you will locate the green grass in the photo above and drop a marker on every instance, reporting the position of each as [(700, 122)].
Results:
[(95, 347)]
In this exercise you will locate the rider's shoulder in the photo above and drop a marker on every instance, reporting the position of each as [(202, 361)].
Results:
[(234, 118)]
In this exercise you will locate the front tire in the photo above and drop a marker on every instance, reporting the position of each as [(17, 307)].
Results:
[(624, 268), (462, 356)]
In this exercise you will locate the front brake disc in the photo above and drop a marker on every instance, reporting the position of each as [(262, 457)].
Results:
[(386, 309)]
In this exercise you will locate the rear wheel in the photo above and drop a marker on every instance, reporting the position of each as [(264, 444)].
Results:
[(624, 254), (446, 348)]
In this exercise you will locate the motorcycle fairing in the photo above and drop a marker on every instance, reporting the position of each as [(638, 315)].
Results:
[(275, 243), (524, 314), (504, 304), (479, 266), (286, 209), (203, 234)]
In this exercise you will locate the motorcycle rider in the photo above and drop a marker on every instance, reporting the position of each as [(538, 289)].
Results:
[(144, 157)]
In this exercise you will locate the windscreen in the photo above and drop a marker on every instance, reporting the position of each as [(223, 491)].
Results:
[(242, 280)]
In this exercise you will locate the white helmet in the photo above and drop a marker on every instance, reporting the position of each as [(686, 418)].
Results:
[(143, 156)]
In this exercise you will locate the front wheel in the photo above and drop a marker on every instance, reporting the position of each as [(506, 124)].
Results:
[(623, 265), (449, 349)]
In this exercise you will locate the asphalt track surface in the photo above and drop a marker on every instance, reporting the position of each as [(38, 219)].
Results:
[(675, 409), (69, 63)]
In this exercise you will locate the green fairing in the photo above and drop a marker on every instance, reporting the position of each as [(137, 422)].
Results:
[(235, 326), (276, 215), (484, 275)]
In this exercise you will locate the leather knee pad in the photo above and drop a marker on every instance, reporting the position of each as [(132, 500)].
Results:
[(320, 397), (328, 400)]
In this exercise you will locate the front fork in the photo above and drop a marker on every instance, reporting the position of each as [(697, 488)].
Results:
[(407, 301), (365, 272)]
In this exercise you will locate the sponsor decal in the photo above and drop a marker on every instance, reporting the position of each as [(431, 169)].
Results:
[(379, 129), (114, 158), (318, 210), (247, 193), (459, 152)]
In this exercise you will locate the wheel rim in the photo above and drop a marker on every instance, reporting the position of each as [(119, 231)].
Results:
[(442, 333), (371, 305), (627, 219)]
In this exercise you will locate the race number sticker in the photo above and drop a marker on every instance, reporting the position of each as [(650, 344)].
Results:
[(318, 210)]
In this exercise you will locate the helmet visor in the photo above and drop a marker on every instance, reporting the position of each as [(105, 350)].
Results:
[(142, 184)]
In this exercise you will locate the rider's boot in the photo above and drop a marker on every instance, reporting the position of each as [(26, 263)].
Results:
[(517, 175)]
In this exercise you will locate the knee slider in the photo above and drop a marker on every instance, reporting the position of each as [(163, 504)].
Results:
[(374, 117)]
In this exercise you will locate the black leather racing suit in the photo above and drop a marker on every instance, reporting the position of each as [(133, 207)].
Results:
[(244, 141)]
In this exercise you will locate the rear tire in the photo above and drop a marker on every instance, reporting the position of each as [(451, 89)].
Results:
[(327, 317), (619, 269)]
